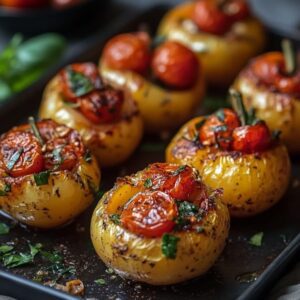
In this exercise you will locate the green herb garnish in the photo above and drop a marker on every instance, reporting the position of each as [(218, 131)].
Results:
[(87, 156), (200, 124), (35, 130), (220, 115), (148, 183), (41, 178), (79, 83), (115, 218), (4, 229), (100, 281), (256, 239), (290, 57), (186, 210), (14, 158), (179, 170), (7, 189), (169, 245), (57, 157), (5, 249)]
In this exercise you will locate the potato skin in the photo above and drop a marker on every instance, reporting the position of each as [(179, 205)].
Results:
[(139, 258), (280, 111), (110, 143), (67, 194), (252, 183), (222, 57), (161, 109)]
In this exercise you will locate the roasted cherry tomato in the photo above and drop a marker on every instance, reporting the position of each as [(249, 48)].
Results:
[(21, 154), (150, 214), (128, 52), (251, 138), (270, 69), (175, 65), (218, 128), (79, 79), (24, 3), (237, 9), (102, 106)]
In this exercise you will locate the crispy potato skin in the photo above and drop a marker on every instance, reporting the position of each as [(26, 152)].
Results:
[(161, 109), (141, 258), (222, 57), (110, 143), (280, 111), (67, 194), (252, 183)]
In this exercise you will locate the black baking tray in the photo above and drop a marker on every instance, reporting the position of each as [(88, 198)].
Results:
[(231, 277)]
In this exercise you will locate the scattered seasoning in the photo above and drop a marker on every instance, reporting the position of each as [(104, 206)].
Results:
[(148, 183), (110, 271), (7, 189), (256, 239), (14, 158), (186, 211), (247, 277), (79, 84), (35, 130), (169, 245), (100, 281), (41, 178), (115, 218), (87, 156), (4, 229), (179, 170)]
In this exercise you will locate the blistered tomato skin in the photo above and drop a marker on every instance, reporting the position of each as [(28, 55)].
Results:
[(128, 52), (46, 182), (238, 10), (24, 3), (254, 173), (133, 243), (175, 65)]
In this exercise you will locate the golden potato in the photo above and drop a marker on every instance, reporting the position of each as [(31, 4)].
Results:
[(111, 143), (222, 56), (142, 258), (280, 111), (161, 108), (47, 198), (252, 183)]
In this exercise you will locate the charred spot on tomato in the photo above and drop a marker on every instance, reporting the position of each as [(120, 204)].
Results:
[(102, 107), (79, 79)]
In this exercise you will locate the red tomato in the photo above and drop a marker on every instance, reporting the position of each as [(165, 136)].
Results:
[(79, 79), (251, 138), (175, 65), (21, 153), (270, 69), (150, 214), (128, 52), (237, 9), (102, 106), (24, 3), (218, 128)]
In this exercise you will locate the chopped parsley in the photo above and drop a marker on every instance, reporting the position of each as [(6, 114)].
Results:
[(57, 157), (41, 178), (115, 218), (6, 189), (148, 183), (79, 83), (186, 210), (179, 170), (14, 158), (220, 115), (169, 245), (100, 281), (256, 239), (4, 229)]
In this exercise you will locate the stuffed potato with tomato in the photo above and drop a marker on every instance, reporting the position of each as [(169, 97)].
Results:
[(161, 225), (167, 82), (274, 94), (47, 176), (222, 34), (107, 119), (237, 154)]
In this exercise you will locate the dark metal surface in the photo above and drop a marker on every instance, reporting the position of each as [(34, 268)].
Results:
[(239, 259)]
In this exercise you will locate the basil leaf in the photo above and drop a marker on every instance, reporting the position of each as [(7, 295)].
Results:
[(100, 281), (5, 249), (79, 83), (4, 229), (179, 170), (148, 183), (169, 245), (54, 257), (256, 239), (41, 178), (14, 158), (115, 218)]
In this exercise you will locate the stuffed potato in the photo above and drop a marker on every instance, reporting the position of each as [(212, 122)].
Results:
[(108, 121), (223, 36), (167, 84), (160, 226), (236, 154), (274, 94), (47, 176)]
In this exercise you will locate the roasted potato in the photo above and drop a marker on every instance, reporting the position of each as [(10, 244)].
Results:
[(222, 53), (277, 104), (47, 176), (140, 231), (252, 169), (111, 133), (178, 86)]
